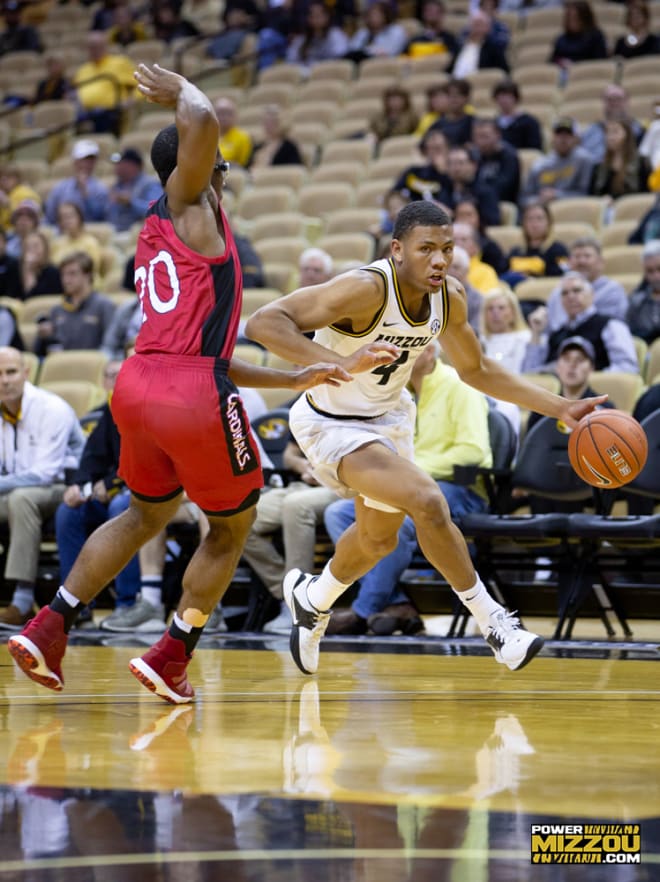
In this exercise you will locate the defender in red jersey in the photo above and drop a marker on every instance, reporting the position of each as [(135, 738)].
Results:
[(176, 404)]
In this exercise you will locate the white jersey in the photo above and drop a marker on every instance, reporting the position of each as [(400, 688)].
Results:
[(374, 393)]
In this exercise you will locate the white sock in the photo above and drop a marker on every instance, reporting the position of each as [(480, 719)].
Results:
[(151, 589), (479, 602), (23, 598), (184, 626), (323, 592), (70, 598)]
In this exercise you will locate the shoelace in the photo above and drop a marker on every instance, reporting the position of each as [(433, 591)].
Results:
[(506, 622)]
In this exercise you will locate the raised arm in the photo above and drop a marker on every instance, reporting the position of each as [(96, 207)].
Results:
[(351, 301), (462, 346), (197, 127)]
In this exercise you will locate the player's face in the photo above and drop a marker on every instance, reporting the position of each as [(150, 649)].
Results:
[(423, 256)]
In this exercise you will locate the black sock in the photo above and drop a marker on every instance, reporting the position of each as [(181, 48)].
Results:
[(69, 613), (188, 638)]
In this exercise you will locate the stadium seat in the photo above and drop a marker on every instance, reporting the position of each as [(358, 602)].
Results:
[(73, 364), (82, 395), (623, 389)]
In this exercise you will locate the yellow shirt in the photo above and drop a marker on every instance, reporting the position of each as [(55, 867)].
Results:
[(102, 93), (62, 246), (20, 193), (236, 146), (482, 276)]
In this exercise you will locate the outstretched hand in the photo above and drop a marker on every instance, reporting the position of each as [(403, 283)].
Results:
[(158, 84), (370, 356), (573, 411), (316, 374)]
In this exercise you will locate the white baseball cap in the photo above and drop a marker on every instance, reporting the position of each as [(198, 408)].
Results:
[(84, 148)]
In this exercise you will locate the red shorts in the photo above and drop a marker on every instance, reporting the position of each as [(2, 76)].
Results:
[(183, 425)]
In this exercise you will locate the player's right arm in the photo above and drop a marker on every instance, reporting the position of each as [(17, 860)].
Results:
[(197, 126), (350, 300)]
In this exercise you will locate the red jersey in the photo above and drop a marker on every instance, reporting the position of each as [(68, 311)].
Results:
[(191, 304)]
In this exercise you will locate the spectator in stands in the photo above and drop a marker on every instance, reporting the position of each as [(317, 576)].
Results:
[(55, 86), (82, 318), (73, 237), (478, 49), (10, 278), (393, 202), (17, 37), (125, 29), (133, 191), (9, 332), (427, 180), (14, 192), (460, 267), (123, 329), (168, 23), (396, 117), (456, 122), (504, 333), (499, 31), (235, 143), (25, 219), (646, 404), (239, 22), (648, 228), (622, 169), (542, 254), (83, 187), (95, 493), (433, 38), (104, 15), (498, 166), (378, 36), (436, 106), (643, 314), (639, 40), (467, 211), (101, 97), (461, 181), (519, 129), (611, 338), (565, 171), (41, 440), (582, 39), (649, 146), (251, 265), (321, 40), (576, 358), (38, 274), (276, 148), (610, 298), (615, 108), (315, 266), (451, 430), (480, 275)]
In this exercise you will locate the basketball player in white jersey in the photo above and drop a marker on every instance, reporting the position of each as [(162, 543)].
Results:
[(358, 436)]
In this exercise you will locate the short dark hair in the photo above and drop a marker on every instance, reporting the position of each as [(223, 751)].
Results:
[(419, 214), (506, 87), (83, 261), (164, 152)]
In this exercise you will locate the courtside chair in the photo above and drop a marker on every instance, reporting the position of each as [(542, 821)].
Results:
[(82, 395), (73, 364)]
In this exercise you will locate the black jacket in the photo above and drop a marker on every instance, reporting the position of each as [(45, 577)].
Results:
[(100, 456)]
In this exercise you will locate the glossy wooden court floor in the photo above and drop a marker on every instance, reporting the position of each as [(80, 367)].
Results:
[(404, 761)]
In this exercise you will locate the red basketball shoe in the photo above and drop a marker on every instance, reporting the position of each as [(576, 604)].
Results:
[(39, 649), (163, 670)]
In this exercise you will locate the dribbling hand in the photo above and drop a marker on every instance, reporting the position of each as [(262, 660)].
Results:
[(575, 410)]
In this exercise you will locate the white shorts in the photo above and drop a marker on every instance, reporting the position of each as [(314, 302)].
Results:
[(326, 440)]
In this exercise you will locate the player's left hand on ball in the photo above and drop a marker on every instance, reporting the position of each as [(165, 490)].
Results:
[(315, 374), (575, 410)]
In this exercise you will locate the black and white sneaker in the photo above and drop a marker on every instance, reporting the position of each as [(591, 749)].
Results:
[(512, 644), (309, 624)]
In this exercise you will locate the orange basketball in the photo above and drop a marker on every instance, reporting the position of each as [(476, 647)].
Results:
[(608, 448)]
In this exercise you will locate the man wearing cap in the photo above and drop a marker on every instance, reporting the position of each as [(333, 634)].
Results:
[(132, 192), (575, 362), (612, 342), (565, 171), (83, 188)]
